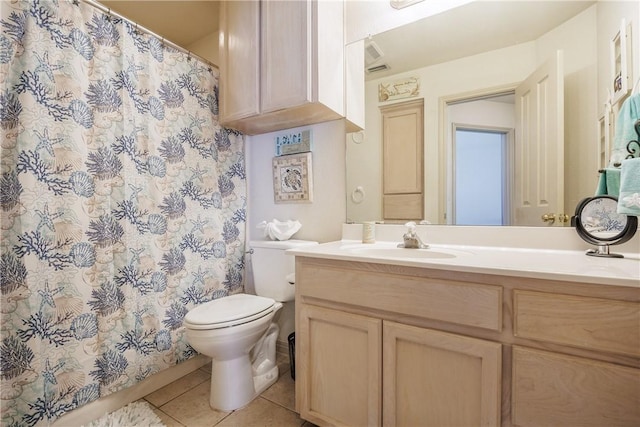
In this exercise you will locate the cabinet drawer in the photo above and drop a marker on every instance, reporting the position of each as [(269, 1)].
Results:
[(557, 390), (469, 304), (591, 323)]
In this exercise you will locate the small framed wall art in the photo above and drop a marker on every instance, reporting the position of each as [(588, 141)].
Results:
[(398, 89), (620, 56), (293, 178), (293, 143)]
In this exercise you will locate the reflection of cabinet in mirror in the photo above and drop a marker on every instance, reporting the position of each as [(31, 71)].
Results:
[(402, 141)]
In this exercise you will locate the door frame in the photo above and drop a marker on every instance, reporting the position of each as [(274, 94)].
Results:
[(445, 136), (509, 135)]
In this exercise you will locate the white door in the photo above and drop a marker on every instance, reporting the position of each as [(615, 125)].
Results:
[(539, 146)]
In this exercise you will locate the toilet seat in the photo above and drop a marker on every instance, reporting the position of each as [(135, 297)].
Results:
[(228, 311)]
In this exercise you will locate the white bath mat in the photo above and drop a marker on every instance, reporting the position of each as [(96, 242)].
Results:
[(138, 414)]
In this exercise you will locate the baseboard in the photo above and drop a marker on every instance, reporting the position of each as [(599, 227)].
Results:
[(94, 410), (282, 350)]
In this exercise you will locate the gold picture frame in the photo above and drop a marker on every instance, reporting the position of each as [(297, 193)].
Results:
[(407, 87), (293, 178)]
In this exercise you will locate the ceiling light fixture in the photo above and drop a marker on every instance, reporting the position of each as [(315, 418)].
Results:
[(400, 4)]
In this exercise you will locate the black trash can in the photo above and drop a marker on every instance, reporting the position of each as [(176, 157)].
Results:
[(292, 354)]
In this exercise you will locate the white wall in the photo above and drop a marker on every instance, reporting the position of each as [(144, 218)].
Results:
[(322, 219), (578, 40), (497, 68)]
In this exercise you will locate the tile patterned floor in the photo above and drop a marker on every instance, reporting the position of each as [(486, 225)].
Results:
[(185, 403)]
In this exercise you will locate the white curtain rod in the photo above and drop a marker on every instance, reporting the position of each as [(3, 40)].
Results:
[(165, 42)]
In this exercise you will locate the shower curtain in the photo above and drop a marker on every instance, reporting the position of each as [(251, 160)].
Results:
[(122, 205)]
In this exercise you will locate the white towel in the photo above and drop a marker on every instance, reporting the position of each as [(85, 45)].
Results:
[(280, 230)]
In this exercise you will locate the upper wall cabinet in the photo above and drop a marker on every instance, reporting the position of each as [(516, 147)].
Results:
[(283, 64), (240, 60)]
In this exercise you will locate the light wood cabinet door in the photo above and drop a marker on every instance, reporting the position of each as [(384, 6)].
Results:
[(240, 59), (551, 389), (285, 49), (339, 363), (433, 378), (402, 146)]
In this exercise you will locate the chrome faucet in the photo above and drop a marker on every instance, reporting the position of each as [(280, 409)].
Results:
[(411, 238)]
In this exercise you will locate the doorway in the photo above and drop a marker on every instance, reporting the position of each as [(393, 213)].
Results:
[(481, 165), (479, 159), (536, 111)]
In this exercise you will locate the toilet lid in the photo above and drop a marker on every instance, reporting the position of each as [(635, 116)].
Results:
[(228, 311)]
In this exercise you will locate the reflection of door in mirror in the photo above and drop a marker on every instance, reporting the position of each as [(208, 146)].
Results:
[(539, 148), (536, 178), (402, 142)]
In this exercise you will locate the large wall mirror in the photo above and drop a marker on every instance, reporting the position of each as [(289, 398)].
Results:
[(468, 65)]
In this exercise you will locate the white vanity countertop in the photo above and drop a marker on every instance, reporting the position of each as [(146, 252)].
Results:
[(566, 265)]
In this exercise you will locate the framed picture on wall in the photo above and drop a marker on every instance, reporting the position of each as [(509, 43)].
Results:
[(293, 178), (620, 50), (604, 138)]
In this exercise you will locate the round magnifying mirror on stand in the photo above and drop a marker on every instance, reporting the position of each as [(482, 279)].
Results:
[(597, 222)]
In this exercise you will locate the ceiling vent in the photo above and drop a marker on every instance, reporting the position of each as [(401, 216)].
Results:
[(376, 68), (372, 52)]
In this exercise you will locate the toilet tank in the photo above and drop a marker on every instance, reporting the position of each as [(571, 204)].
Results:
[(271, 266)]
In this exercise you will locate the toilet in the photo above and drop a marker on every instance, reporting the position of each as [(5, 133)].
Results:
[(238, 331)]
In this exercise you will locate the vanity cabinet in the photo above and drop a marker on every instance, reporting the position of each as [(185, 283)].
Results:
[(383, 344), (359, 365), (282, 64), (582, 391)]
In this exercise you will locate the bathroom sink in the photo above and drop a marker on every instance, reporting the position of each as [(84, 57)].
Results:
[(392, 251)]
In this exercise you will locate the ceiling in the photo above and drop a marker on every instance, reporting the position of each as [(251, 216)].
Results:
[(180, 22), (470, 29)]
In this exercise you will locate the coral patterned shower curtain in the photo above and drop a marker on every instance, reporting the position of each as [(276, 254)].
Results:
[(122, 205)]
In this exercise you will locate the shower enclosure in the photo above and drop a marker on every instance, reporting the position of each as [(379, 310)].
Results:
[(122, 205)]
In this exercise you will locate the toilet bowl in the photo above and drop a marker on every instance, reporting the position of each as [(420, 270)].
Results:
[(227, 329), (238, 332)]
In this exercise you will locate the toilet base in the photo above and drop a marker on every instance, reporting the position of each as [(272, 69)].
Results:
[(231, 392), (266, 380), (236, 382)]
